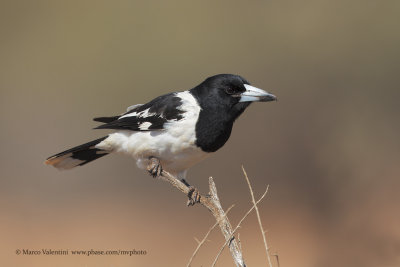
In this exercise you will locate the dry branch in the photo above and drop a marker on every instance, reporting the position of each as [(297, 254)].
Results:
[(238, 225), (200, 243), (212, 203)]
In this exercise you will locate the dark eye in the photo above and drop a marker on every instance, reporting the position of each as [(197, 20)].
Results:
[(230, 91)]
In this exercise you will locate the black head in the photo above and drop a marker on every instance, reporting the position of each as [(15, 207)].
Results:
[(223, 98), (229, 91)]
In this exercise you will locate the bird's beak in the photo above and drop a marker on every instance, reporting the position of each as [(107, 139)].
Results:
[(255, 94)]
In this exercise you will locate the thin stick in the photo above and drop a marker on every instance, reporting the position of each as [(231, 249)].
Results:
[(212, 203), (238, 225), (200, 243), (277, 259), (258, 217), (240, 243)]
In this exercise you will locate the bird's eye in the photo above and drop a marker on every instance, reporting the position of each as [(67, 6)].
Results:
[(230, 91)]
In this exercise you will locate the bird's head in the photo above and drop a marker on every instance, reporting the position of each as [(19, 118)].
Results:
[(230, 91)]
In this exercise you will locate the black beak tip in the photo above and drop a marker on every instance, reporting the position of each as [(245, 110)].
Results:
[(269, 98)]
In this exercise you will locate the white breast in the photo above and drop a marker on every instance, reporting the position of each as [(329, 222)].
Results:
[(174, 146)]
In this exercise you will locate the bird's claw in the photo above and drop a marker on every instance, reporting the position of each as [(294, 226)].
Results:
[(154, 167), (194, 196)]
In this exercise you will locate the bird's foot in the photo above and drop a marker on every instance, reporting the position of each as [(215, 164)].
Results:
[(194, 196), (154, 167)]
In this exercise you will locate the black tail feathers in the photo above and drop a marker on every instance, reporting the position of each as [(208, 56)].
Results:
[(77, 156)]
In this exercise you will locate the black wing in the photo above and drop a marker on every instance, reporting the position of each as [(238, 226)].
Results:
[(147, 117), (106, 119)]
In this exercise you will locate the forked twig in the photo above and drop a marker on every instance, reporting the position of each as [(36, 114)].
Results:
[(212, 203), (200, 243), (238, 225)]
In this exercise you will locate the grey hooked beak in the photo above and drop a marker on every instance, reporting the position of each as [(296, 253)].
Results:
[(255, 94)]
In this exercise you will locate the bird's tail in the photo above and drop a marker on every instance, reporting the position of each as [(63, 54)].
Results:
[(77, 156)]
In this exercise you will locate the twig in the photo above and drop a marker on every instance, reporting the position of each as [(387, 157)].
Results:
[(238, 225), (212, 203), (277, 259), (240, 243), (258, 217), (200, 243)]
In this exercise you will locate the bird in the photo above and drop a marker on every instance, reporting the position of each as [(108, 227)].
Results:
[(172, 132)]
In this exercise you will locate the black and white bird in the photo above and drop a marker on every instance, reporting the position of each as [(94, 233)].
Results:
[(173, 131)]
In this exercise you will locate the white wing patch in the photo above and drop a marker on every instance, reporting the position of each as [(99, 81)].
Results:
[(142, 114), (145, 126)]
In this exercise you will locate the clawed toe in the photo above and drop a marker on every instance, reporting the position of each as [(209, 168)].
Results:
[(154, 167), (194, 196)]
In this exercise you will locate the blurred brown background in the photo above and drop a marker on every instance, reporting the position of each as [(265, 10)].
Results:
[(329, 148)]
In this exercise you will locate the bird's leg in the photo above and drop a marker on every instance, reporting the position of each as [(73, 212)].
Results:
[(154, 167), (194, 194)]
